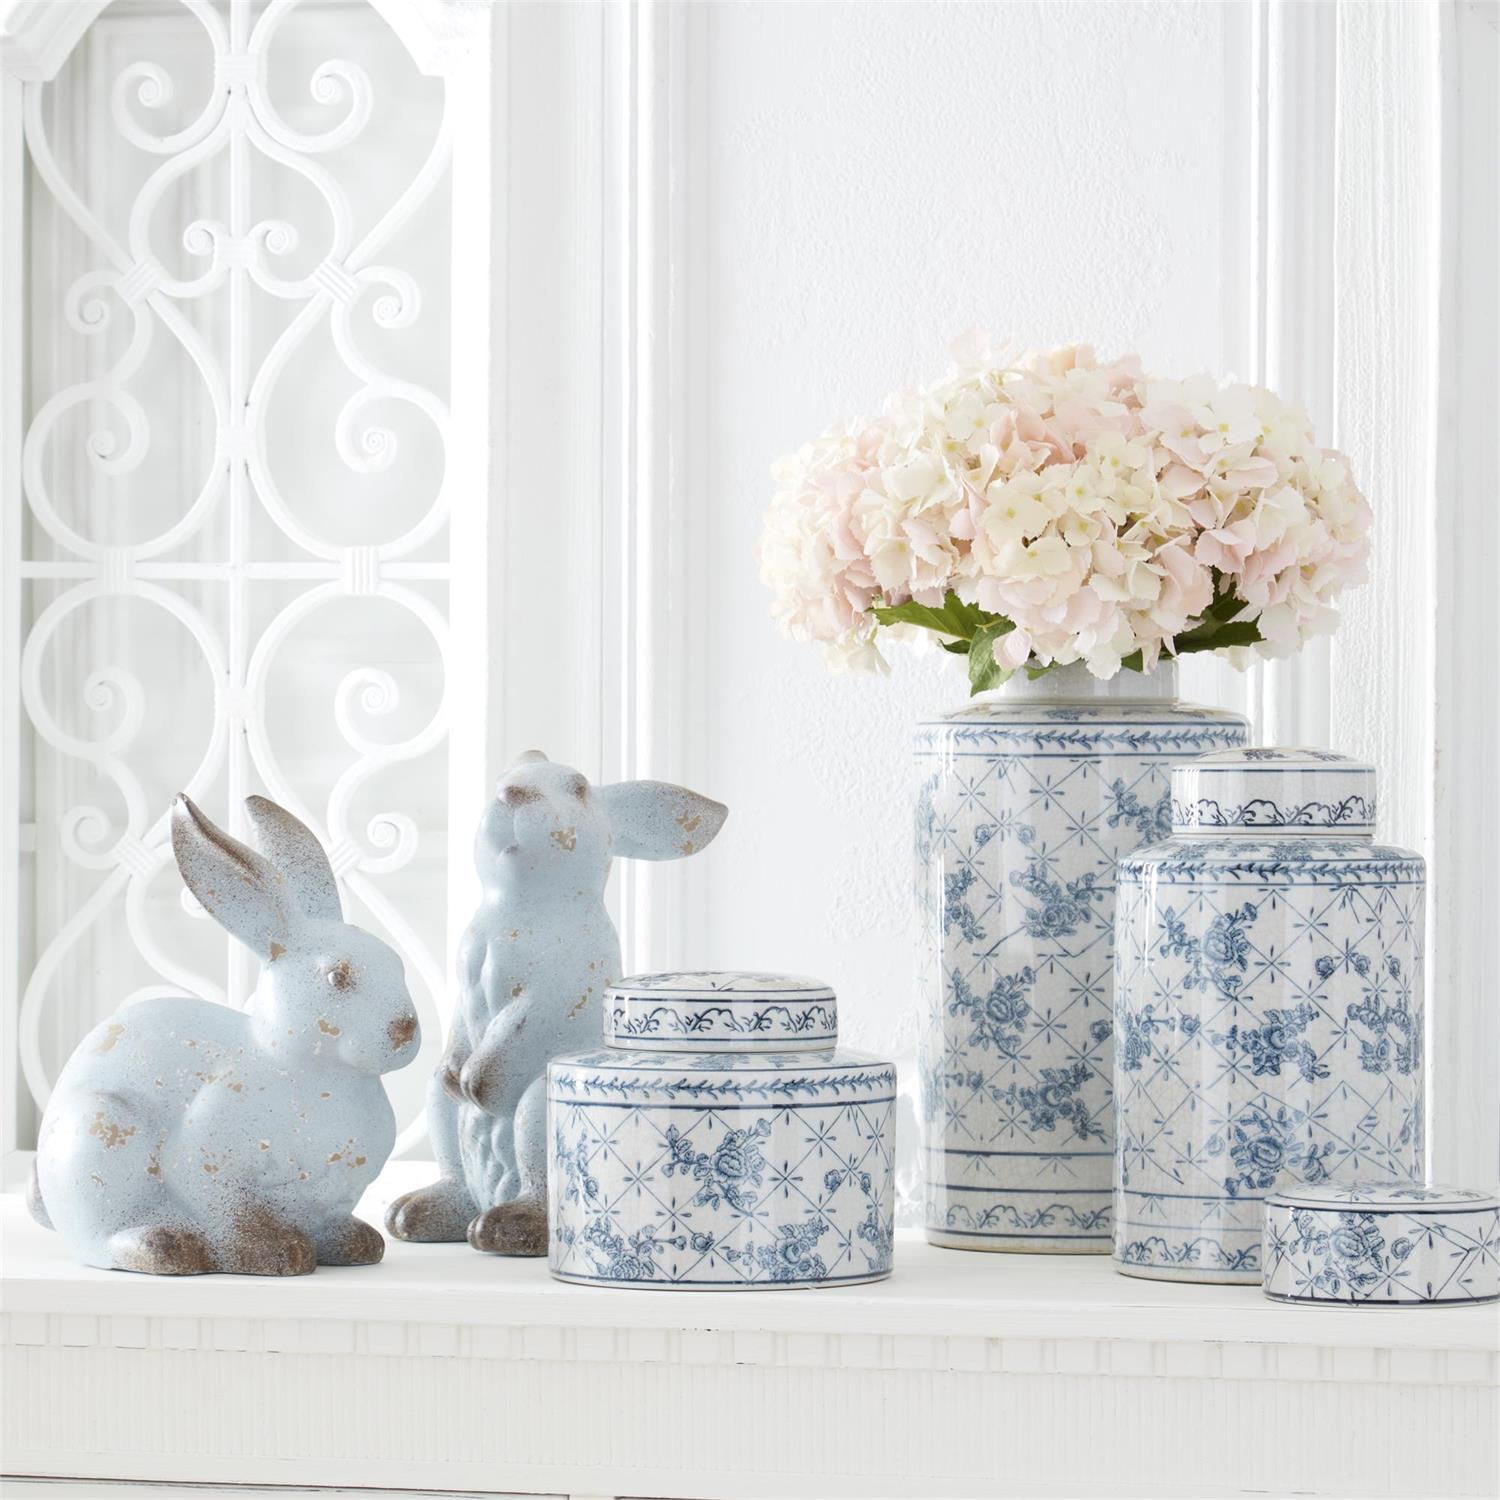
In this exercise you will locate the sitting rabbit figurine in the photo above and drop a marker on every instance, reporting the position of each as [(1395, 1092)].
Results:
[(184, 1136), (532, 969)]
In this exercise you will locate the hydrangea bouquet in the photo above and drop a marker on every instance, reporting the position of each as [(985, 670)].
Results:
[(1057, 510)]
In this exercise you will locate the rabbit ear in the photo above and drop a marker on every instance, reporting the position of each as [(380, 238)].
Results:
[(655, 820), (237, 887), (290, 845)]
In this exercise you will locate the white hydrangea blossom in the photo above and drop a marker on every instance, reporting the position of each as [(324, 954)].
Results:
[(1101, 512)]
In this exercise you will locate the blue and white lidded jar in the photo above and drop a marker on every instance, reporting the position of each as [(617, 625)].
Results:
[(1268, 1008), (720, 1140), (1374, 1244), (1025, 799)]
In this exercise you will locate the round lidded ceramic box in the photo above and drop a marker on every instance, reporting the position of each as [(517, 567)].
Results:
[(1268, 1008), (722, 1012), (1372, 1244), (721, 1140)]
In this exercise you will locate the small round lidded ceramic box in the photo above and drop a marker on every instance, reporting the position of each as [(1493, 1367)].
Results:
[(1268, 1008), (1382, 1244), (721, 1140)]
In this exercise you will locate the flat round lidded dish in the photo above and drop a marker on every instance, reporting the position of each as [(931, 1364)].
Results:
[(1382, 1244), (722, 1141), (730, 1011), (1251, 790)]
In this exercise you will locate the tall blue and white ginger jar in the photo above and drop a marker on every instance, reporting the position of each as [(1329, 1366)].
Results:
[(721, 1140), (1025, 799), (1269, 1008)]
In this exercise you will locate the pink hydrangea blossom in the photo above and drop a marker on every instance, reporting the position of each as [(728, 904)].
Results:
[(1102, 512)]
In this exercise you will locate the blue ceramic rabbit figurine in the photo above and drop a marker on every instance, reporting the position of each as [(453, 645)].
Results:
[(184, 1136), (532, 970)]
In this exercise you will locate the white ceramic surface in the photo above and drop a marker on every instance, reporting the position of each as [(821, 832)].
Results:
[(1251, 790), (1269, 1030), (1025, 798), (713, 1012), (734, 1169), (1381, 1244)]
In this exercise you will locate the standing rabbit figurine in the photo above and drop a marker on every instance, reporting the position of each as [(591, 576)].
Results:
[(532, 969), (184, 1136)]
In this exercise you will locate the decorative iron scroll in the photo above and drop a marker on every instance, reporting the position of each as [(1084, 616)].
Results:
[(210, 318)]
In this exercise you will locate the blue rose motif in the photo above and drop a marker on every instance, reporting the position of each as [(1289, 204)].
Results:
[(1226, 947), (999, 1018), (729, 1172)]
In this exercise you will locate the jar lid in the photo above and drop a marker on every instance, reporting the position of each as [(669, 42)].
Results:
[(1250, 790), (1381, 1244), (728, 1011), (1409, 1197)]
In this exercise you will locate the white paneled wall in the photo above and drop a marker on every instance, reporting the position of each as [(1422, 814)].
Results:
[(689, 236)]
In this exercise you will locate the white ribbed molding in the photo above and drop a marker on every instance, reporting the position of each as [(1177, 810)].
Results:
[(963, 1375)]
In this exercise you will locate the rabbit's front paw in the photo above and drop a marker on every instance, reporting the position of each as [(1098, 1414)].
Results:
[(518, 1228), (435, 1214), (265, 1245), (351, 1242), (162, 1250), (481, 1078)]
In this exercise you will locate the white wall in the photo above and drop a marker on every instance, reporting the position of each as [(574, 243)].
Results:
[(880, 179)]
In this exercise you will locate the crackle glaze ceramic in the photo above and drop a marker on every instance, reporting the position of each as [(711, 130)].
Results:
[(686, 1155), (1025, 799), (1382, 1244), (1268, 992), (185, 1136), (533, 966), (720, 1013)]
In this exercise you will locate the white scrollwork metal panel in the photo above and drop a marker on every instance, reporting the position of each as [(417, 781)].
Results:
[(235, 556)]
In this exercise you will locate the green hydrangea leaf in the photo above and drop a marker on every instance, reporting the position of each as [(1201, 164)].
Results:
[(951, 617), (984, 671)]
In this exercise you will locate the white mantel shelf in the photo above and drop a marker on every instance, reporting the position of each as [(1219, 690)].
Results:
[(965, 1374)]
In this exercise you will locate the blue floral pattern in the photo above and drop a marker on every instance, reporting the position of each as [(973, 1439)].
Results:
[(1057, 909), (1387, 1246), (729, 1010), (956, 913), (790, 1256), (1021, 811), (1262, 1142), (1152, 821), (730, 1171), (1279, 1041), (1260, 812), (1057, 1102), (1268, 1000), (999, 1017), (721, 1171), (788, 1024)]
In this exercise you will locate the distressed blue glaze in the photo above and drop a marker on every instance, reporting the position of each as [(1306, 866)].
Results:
[(1373, 1244), (1023, 806), (533, 968), (1268, 992), (185, 1137), (721, 1170)]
